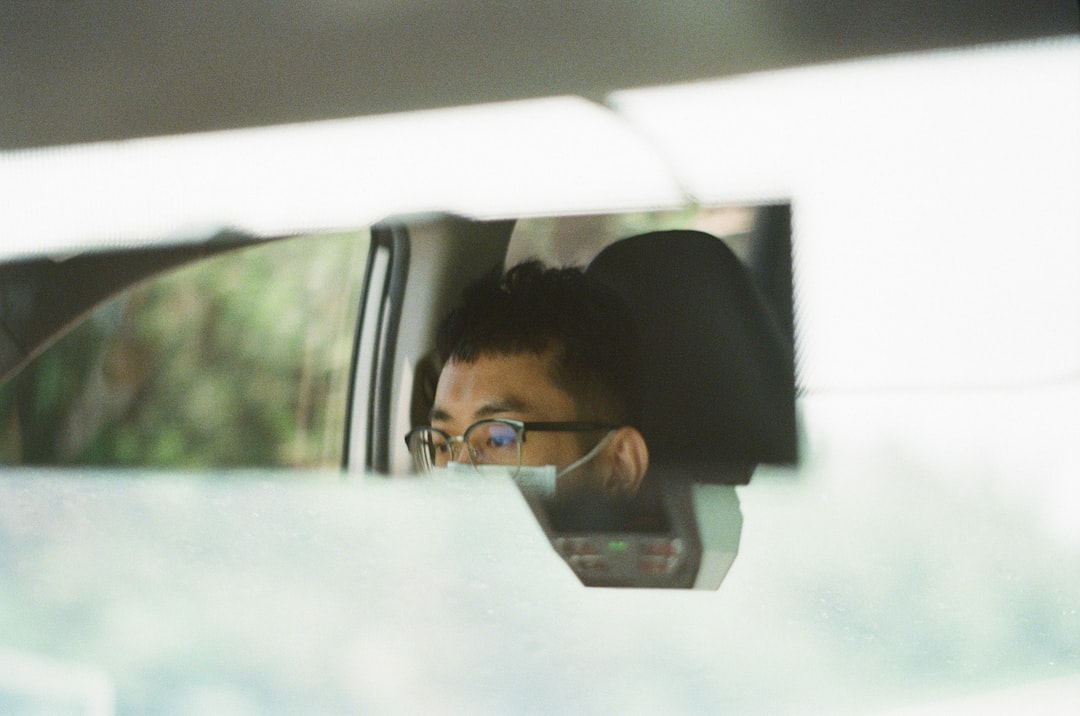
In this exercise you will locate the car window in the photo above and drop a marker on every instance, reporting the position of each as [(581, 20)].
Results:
[(575, 240), (238, 360)]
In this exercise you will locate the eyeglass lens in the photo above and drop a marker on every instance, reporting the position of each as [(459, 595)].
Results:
[(488, 442)]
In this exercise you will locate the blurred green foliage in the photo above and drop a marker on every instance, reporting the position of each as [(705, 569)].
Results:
[(238, 360)]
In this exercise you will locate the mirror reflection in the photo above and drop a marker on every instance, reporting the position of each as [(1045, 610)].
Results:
[(614, 380)]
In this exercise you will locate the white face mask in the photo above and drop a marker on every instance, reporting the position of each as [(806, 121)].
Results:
[(534, 480)]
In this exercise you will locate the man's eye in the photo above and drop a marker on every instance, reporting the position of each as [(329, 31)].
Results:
[(502, 441)]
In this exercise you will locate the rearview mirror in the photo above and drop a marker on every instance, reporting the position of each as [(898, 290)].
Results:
[(685, 535)]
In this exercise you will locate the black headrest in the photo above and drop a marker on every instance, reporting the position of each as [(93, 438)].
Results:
[(718, 371)]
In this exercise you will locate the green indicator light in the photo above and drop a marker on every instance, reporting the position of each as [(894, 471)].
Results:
[(618, 545)]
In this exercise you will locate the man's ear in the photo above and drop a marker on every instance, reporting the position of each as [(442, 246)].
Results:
[(628, 460)]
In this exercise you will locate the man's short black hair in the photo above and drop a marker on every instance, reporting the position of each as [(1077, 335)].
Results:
[(533, 309)]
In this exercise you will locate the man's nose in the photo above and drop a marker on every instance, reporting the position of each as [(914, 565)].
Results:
[(459, 451)]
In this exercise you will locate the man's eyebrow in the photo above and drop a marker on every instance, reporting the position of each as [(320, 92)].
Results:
[(506, 404)]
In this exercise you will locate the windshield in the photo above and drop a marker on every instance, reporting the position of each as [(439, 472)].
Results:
[(858, 588)]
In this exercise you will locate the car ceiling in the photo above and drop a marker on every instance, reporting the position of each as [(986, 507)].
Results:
[(76, 72)]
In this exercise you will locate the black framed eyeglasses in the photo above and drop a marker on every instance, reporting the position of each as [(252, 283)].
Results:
[(496, 441)]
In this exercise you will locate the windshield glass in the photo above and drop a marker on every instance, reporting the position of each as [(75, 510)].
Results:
[(859, 587)]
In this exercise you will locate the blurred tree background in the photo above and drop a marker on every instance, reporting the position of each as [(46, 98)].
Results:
[(238, 360)]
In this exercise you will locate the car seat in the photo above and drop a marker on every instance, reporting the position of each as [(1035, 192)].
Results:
[(718, 370)]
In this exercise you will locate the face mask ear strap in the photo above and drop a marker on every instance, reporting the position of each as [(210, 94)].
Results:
[(587, 456)]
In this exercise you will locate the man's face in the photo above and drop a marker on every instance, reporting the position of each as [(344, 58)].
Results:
[(512, 386)]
